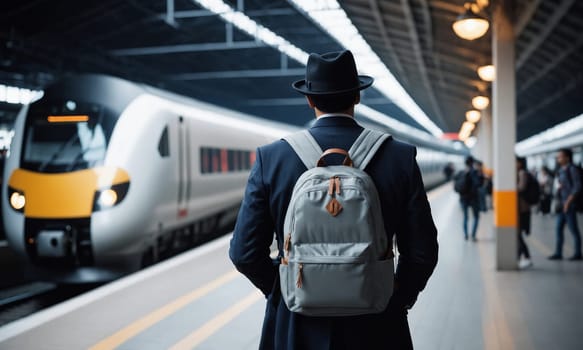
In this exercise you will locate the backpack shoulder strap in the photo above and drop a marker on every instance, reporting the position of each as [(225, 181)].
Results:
[(365, 147), (305, 146)]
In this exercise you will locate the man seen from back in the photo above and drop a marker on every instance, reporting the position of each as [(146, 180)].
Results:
[(332, 89)]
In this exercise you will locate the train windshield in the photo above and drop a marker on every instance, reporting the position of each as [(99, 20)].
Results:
[(61, 142)]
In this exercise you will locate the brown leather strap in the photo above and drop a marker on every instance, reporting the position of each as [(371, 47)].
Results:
[(347, 161)]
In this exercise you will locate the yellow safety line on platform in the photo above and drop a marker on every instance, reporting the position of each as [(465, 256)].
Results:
[(152, 318), (546, 250), (212, 326), (540, 246), (496, 333)]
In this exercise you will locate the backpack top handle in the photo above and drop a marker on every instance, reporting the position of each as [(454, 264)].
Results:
[(347, 161)]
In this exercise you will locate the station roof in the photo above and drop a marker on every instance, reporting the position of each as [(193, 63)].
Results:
[(193, 51)]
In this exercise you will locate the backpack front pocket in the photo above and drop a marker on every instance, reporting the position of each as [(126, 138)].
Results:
[(345, 286)]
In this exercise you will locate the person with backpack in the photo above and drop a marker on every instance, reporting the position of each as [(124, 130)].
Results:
[(569, 188), (336, 196), (467, 184), (527, 194)]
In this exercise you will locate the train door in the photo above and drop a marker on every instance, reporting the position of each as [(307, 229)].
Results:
[(184, 167)]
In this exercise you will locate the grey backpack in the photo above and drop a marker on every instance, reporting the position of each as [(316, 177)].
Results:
[(337, 257)]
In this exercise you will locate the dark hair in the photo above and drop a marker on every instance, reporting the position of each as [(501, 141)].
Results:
[(469, 160), (336, 102), (521, 161), (567, 152)]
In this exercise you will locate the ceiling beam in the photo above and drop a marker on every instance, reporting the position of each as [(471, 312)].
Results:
[(207, 13), (429, 36), (525, 16), (421, 61), (455, 60), (479, 85), (570, 85), (256, 73), (454, 87), (548, 27), (446, 6), (389, 45), (467, 53), (162, 50), (460, 102), (549, 67)]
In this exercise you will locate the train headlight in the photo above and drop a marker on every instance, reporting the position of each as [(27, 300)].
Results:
[(17, 200), (109, 197)]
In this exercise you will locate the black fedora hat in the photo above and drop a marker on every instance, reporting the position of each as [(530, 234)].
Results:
[(331, 73)]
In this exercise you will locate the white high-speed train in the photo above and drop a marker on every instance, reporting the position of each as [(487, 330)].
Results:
[(105, 176)]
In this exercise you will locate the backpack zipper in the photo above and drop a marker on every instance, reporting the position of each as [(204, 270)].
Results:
[(334, 185), (299, 280)]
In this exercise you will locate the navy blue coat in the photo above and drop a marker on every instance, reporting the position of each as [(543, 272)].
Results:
[(407, 216)]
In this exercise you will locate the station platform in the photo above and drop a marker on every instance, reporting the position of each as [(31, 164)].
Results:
[(198, 301)]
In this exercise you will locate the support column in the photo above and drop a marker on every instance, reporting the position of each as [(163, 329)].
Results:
[(484, 136), (504, 138)]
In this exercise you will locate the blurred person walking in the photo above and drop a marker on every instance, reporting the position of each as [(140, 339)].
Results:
[(466, 184), (569, 186)]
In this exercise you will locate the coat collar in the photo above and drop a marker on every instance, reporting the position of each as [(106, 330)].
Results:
[(334, 121)]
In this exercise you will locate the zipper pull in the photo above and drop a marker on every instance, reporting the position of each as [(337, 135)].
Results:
[(337, 183), (331, 186), (299, 281)]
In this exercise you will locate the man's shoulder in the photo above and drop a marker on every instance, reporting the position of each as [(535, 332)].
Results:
[(273, 146), (274, 150), (400, 144), (399, 148)]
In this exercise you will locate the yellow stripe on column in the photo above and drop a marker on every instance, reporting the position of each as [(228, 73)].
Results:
[(505, 209)]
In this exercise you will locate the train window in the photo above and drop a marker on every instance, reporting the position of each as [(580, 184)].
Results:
[(234, 160), (222, 160), (215, 154), (64, 147), (64, 136), (163, 144), (204, 161)]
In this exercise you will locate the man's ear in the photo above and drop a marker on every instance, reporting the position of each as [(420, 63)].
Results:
[(357, 100), (310, 102)]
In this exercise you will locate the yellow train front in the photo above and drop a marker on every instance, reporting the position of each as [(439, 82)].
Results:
[(55, 179), (105, 176)]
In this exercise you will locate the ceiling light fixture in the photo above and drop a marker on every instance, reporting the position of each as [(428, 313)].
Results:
[(469, 25), (480, 102), (466, 130), (487, 73), (473, 116)]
